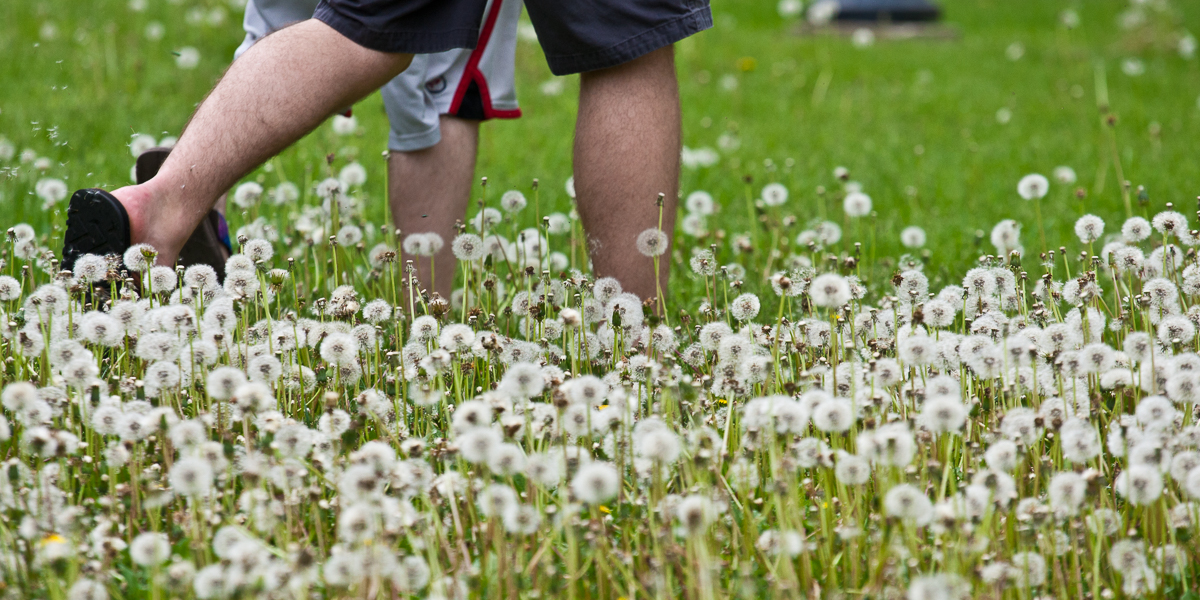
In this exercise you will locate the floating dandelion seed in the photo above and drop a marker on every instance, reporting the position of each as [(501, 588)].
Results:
[(187, 58)]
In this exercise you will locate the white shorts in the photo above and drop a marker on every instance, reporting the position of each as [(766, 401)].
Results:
[(470, 84)]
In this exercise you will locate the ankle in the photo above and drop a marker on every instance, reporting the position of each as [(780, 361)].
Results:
[(149, 221), (138, 205)]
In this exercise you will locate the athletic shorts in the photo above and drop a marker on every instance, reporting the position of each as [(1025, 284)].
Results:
[(576, 35), (467, 83)]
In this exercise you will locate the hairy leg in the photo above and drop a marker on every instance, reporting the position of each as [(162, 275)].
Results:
[(430, 189), (627, 141), (281, 89)]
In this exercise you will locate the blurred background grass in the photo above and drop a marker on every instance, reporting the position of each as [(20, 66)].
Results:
[(920, 123)]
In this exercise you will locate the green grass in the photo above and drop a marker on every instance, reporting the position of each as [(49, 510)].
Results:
[(79, 96)]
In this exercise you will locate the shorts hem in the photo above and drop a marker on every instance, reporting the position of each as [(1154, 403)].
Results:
[(637, 46), (410, 142), (396, 42)]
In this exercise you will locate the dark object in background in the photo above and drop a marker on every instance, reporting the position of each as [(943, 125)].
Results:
[(894, 11)]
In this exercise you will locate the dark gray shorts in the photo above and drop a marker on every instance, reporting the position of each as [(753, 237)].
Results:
[(576, 35)]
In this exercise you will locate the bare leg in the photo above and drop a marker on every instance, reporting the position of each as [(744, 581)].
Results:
[(281, 89), (429, 189), (627, 140)]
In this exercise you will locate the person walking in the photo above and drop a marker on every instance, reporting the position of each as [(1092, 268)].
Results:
[(627, 136), (434, 111)]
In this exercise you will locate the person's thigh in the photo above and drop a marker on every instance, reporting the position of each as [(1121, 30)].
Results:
[(586, 35), (264, 17)]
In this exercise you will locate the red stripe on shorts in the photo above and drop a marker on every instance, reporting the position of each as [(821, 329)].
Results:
[(472, 73)]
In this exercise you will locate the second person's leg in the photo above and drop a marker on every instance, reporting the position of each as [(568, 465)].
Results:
[(429, 189), (627, 135), (435, 109), (627, 143)]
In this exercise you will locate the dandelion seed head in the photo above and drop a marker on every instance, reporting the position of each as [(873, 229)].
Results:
[(1089, 228), (652, 242), (353, 175), (1033, 186), (745, 307), (150, 549), (700, 203), (187, 58), (1169, 222), (830, 290), (857, 204), (1064, 175), (833, 415), (139, 257), (1136, 229), (468, 247), (477, 444), (191, 477), (912, 237), (596, 483), (1029, 569), (247, 194), (908, 503), (1139, 484), (512, 201), (774, 194)]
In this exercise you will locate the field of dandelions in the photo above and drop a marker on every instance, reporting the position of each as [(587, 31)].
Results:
[(852, 389)]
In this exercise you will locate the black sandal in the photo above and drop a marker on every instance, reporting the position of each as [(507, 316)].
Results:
[(209, 243), (96, 224)]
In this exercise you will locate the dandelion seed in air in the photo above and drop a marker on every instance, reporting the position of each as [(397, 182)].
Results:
[(187, 58)]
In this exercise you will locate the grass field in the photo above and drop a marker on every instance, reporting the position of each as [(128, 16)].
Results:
[(914, 121)]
